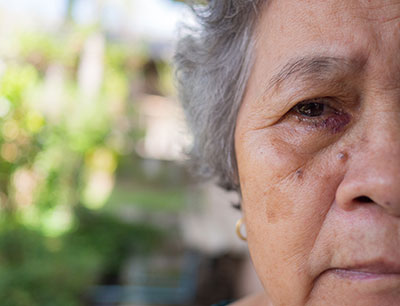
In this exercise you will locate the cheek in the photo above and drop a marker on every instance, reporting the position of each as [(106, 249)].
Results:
[(285, 181), (286, 195)]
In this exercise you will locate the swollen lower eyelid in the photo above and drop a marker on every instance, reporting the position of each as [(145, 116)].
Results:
[(334, 124)]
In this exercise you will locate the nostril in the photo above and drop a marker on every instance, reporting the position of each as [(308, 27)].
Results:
[(363, 199)]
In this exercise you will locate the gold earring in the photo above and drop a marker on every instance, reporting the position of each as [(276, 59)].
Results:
[(239, 224)]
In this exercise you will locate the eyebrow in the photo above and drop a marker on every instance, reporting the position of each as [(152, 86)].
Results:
[(320, 67)]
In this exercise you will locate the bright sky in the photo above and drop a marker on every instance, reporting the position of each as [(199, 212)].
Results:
[(155, 19)]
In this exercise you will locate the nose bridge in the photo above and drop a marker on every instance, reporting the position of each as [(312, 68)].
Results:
[(380, 122), (380, 156), (382, 128), (373, 173)]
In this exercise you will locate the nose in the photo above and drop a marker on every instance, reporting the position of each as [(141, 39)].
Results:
[(373, 172)]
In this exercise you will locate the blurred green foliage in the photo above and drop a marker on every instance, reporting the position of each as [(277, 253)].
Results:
[(60, 151), (48, 271)]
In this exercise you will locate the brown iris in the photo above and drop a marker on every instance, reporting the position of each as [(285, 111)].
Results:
[(312, 109)]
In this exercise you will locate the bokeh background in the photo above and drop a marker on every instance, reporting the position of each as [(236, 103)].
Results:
[(96, 204)]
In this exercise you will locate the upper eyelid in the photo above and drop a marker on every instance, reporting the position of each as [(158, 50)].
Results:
[(316, 100), (330, 102)]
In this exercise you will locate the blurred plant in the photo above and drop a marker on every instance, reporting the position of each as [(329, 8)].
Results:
[(57, 141), (44, 271), (66, 121)]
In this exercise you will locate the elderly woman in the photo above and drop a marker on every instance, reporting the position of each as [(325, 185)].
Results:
[(296, 105)]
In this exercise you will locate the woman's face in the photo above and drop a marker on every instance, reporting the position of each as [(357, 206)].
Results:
[(318, 150)]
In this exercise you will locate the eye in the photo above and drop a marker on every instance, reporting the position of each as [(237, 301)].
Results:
[(310, 109), (317, 107), (319, 113)]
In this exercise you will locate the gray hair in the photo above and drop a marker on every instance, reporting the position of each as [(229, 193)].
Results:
[(213, 61)]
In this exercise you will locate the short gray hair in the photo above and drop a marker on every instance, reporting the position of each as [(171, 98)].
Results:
[(213, 61)]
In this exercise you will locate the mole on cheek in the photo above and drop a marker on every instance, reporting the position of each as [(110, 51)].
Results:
[(342, 156), (299, 173)]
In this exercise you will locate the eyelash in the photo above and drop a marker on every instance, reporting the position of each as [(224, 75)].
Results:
[(334, 121)]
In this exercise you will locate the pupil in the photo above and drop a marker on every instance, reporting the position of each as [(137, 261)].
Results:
[(311, 109)]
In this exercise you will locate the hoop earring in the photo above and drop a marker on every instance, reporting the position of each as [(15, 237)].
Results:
[(239, 224)]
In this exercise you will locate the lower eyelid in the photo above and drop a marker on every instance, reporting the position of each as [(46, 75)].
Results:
[(334, 123)]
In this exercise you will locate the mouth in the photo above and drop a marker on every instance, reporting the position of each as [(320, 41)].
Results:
[(368, 271)]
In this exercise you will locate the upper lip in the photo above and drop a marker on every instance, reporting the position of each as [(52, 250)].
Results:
[(374, 267)]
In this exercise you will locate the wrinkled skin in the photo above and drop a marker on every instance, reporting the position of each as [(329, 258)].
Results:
[(321, 182)]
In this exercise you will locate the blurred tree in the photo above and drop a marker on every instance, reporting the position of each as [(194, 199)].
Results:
[(70, 4), (60, 148)]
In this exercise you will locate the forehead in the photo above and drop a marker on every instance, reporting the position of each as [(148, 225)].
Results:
[(327, 18), (352, 29)]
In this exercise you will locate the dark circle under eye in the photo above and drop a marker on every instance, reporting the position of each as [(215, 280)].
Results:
[(312, 109)]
